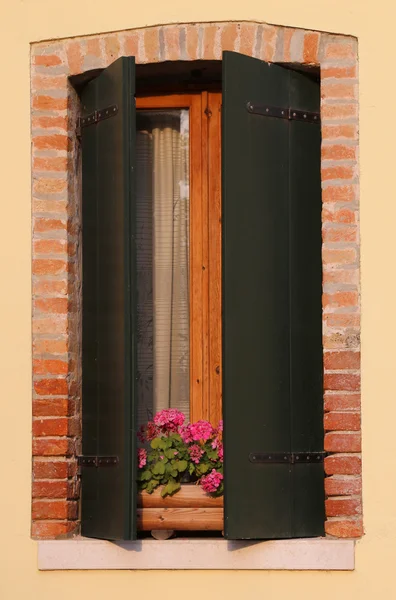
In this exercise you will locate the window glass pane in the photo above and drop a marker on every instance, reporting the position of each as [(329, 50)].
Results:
[(163, 261)]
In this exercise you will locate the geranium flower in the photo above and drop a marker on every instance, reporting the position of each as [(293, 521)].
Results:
[(169, 420), (201, 430), (211, 482), (195, 453), (142, 457)]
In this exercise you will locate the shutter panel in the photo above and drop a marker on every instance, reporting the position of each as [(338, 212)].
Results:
[(109, 305), (272, 316)]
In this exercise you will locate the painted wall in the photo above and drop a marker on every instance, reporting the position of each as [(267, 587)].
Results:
[(29, 21)]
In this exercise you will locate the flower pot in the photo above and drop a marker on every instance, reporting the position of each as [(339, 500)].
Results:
[(190, 509)]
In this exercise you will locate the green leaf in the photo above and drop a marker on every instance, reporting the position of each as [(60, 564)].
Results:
[(174, 473), (170, 453), (152, 485), (146, 475), (158, 468), (170, 488), (203, 468), (156, 443), (191, 468), (181, 465)]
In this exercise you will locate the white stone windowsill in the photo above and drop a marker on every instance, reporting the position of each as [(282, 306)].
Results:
[(301, 554)]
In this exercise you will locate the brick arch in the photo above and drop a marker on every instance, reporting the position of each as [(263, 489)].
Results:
[(56, 246)]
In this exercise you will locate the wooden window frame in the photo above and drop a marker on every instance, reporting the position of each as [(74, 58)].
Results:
[(205, 245)]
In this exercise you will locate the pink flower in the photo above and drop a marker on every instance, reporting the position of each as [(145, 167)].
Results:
[(220, 452), (151, 431), (195, 453), (185, 433), (169, 420), (220, 427), (211, 482), (142, 457), (201, 430)]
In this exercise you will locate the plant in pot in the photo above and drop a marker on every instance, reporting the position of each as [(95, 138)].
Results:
[(185, 461)]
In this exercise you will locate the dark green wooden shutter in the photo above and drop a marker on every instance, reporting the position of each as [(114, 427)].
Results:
[(272, 317), (108, 366)]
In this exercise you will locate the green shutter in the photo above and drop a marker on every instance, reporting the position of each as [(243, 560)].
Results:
[(109, 304), (272, 286)]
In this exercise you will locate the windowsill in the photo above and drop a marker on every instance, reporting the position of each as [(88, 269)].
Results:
[(302, 554)]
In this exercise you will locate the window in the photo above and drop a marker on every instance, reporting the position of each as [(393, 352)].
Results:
[(269, 300)]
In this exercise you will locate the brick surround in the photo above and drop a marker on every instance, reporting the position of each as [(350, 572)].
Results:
[(56, 264)]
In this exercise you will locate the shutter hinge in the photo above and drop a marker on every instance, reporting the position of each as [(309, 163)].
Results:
[(96, 116), (283, 113), (97, 461), (293, 458)]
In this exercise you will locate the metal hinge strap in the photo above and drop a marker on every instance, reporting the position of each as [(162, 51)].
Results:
[(97, 461), (293, 458), (283, 113), (96, 116)]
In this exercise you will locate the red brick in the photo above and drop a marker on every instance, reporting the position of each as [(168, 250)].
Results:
[(338, 90), (49, 186), (47, 60), (342, 421), (48, 266), (58, 469), (340, 507), (342, 381), (40, 206), (151, 44), (42, 225), (341, 464), (57, 141), (337, 339), (53, 509), (339, 193), (247, 37), (343, 215), (342, 320), (340, 299), (44, 346), (53, 163), (341, 402), (344, 528), (51, 367), (50, 489), (331, 132), (310, 52), (338, 152), (42, 530), (341, 360), (56, 324), (49, 103), (330, 173), (229, 36), (74, 57), (192, 41), (54, 407), (343, 486), (343, 442), (131, 43), (48, 123), (338, 72), (336, 256), (112, 47), (50, 246), (52, 447), (287, 38), (347, 276), (41, 82), (51, 387), (340, 51), (93, 47), (338, 111), (340, 234), (171, 39), (50, 287), (50, 427), (52, 305)]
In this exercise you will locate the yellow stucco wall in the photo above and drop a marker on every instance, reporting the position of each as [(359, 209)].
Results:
[(26, 21)]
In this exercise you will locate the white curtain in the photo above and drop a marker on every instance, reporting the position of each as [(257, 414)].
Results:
[(163, 261)]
